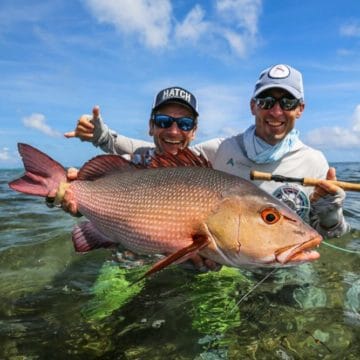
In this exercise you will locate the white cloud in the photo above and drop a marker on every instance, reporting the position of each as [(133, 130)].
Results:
[(350, 29), (235, 21), (193, 26), (242, 16), (356, 119), (149, 19), (244, 13), (8, 158), (337, 137), (237, 42), (38, 122), (230, 22), (4, 154)]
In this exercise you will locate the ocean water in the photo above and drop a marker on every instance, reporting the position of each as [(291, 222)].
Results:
[(56, 304)]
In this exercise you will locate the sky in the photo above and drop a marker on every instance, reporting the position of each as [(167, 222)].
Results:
[(59, 58)]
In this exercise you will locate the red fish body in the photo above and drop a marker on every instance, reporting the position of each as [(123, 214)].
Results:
[(177, 211)]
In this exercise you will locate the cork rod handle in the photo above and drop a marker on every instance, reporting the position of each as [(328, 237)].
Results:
[(342, 184), (258, 175)]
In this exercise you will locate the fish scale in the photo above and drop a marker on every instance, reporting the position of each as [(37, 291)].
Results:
[(133, 205)]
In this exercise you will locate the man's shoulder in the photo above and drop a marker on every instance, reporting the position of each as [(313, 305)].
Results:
[(232, 142), (208, 148), (307, 158), (209, 143), (310, 151)]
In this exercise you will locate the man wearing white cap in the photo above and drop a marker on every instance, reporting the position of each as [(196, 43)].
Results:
[(272, 144)]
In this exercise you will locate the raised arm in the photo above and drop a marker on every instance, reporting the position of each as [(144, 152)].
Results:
[(93, 129)]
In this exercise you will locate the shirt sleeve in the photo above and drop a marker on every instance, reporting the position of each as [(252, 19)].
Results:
[(326, 214), (208, 149), (112, 142)]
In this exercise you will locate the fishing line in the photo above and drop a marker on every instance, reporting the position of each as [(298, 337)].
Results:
[(340, 248), (252, 289)]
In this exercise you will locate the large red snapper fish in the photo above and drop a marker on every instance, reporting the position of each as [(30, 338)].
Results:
[(178, 207)]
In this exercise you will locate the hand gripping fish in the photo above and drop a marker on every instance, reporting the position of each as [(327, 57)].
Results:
[(178, 207)]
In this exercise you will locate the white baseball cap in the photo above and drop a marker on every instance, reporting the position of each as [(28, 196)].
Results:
[(281, 76)]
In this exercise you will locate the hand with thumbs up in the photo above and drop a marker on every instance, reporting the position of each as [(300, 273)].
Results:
[(85, 126)]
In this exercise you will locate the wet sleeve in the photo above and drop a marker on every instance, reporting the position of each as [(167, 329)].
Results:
[(327, 215), (111, 142)]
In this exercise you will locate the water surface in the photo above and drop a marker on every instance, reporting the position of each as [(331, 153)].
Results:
[(55, 304)]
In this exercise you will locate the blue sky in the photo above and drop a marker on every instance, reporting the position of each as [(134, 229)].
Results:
[(58, 58)]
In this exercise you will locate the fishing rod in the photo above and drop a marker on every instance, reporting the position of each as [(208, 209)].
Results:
[(258, 175)]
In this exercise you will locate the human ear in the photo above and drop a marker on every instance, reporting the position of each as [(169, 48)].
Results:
[(300, 110), (151, 128), (252, 106)]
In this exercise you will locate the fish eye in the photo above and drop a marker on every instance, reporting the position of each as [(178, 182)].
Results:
[(270, 215)]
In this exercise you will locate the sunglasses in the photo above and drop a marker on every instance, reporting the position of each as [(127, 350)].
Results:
[(165, 121), (285, 103)]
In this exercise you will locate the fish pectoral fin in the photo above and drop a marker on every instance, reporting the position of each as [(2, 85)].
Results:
[(86, 237), (200, 241)]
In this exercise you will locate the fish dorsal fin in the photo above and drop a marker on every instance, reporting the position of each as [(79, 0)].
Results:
[(184, 157), (105, 164), (102, 165)]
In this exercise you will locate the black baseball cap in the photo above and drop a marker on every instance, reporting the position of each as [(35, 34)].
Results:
[(175, 94)]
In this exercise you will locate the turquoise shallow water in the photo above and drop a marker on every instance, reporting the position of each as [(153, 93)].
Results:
[(55, 304)]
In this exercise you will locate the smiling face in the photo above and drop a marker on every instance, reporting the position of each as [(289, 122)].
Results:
[(172, 139), (274, 124)]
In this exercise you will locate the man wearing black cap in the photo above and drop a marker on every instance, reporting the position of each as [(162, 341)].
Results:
[(173, 123)]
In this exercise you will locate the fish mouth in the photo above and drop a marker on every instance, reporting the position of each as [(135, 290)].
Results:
[(299, 253)]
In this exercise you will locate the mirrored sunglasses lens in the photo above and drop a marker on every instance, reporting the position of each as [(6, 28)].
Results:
[(163, 121), (288, 104), (265, 103), (185, 124)]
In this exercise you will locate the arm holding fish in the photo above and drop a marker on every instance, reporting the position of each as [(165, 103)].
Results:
[(93, 129), (327, 208), (68, 203)]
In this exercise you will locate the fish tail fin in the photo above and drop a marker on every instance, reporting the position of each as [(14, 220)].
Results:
[(42, 173)]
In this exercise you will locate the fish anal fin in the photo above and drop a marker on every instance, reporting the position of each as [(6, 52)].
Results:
[(199, 242), (100, 165), (86, 237)]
